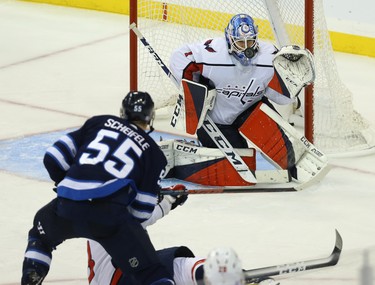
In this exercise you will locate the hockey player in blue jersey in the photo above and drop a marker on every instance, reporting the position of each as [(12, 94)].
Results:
[(107, 182)]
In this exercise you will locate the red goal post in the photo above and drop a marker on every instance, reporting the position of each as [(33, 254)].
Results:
[(329, 119)]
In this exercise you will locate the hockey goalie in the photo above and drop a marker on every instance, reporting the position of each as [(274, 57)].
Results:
[(228, 84)]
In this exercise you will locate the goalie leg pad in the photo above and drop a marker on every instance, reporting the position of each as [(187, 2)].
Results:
[(265, 133), (311, 163), (229, 132), (208, 166), (167, 148), (214, 172)]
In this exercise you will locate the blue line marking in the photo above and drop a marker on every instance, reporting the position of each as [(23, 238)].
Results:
[(24, 156)]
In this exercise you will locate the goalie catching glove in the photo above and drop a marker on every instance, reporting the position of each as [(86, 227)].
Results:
[(295, 66), (175, 200)]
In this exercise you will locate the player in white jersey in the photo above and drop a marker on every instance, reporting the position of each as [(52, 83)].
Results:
[(240, 68), (180, 261), (221, 267)]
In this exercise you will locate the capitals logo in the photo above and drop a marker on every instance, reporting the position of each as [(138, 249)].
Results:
[(246, 94), (208, 46)]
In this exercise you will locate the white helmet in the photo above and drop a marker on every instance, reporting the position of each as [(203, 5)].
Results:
[(223, 267)]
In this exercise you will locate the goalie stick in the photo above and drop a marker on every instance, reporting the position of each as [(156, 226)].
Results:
[(210, 127), (258, 274), (222, 190)]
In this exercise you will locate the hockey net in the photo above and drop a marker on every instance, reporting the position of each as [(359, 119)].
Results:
[(336, 127)]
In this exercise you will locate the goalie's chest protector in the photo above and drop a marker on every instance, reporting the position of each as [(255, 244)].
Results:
[(238, 87)]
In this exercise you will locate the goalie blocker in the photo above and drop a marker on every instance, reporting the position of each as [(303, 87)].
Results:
[(192, 107)]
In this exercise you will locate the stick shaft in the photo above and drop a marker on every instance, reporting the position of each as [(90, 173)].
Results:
[(225, 190), (282, 269)]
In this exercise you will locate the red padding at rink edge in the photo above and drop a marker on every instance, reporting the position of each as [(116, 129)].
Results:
[(217, 172), (265, 133)]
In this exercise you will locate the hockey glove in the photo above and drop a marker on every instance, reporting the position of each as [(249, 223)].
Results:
[(296, 68), (176, 200)]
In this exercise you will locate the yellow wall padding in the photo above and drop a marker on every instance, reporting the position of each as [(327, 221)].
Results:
[(340, 42)]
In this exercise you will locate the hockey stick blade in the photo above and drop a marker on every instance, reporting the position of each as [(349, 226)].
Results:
[(261, 273)]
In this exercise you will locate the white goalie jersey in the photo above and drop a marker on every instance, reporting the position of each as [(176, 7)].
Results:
[(237, 86)]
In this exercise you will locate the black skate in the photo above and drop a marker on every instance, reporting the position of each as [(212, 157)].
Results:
[(33, 272)]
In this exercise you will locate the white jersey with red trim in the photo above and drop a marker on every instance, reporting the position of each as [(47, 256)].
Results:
[(102, 272), (187, 270), (238, 87), (100, 268)]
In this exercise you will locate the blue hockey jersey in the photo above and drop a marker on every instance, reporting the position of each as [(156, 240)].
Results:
[(105, 155)]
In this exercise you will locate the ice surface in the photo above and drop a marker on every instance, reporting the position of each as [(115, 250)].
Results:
[(59, 66)]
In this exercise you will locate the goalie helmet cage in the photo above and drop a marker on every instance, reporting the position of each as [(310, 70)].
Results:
[(330, 120)]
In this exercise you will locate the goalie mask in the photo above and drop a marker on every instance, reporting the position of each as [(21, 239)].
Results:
[(138, 106), (241, 35), (223, 267)]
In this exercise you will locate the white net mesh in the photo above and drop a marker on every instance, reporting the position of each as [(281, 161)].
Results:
[(169, 24)]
